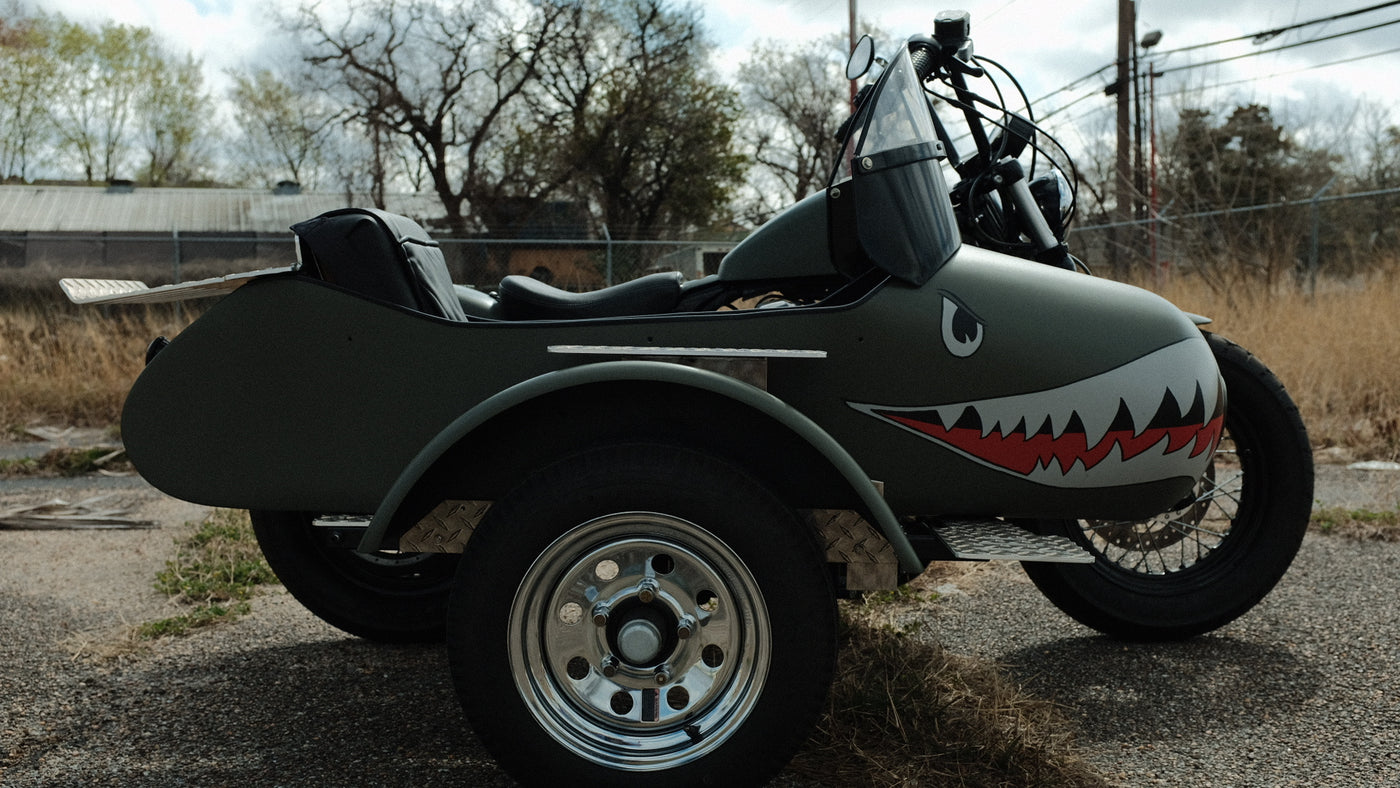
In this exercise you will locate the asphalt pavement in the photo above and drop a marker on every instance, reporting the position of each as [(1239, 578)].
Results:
[(1304, 690)]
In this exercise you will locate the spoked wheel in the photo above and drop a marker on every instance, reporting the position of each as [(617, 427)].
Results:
[(642, 614), (386, 596), (1203, 565)]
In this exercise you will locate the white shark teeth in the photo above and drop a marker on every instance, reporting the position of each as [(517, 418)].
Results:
[(1138, 385)]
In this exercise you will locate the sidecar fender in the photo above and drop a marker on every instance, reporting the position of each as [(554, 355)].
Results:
[(645, 383)]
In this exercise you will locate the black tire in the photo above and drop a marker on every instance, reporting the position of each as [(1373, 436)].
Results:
[(1199, 567), (388, 597), (731, 562)]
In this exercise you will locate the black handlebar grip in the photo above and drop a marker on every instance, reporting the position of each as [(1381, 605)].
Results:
[(923, 58)]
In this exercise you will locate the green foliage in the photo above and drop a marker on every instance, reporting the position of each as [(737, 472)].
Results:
[(1242, 160), (91, 100), (27, 85), (63, 462), (1361, 524), (903, 594), (174, 118), (215, 571)]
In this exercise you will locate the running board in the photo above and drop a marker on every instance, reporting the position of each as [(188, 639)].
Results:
[(998, 540)]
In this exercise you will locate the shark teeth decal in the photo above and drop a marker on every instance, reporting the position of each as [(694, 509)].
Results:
[(1153, 418)]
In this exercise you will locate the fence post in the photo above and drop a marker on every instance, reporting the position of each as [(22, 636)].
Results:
[(175, 263), (175, 238), (1316, 222), (608, 274)]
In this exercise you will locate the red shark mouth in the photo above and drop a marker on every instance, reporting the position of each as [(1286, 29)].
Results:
[(1018, 452), (1154, 418)]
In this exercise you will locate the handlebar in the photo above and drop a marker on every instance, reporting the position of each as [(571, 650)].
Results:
[(1018, 222)]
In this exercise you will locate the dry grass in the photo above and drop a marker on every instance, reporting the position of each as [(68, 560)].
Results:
[(73, 367), (1337, 353), (906, 712)]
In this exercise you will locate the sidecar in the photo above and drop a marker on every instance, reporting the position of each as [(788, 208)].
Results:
[(632, 508)]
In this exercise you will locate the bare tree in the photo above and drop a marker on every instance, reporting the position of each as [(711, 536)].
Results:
[(795, 99), (444, 77), (631, 121), (286, 128)]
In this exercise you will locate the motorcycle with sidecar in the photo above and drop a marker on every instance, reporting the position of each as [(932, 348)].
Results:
[(631, 510)]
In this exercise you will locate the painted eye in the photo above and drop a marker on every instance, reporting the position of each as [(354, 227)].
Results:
[(962, 330)]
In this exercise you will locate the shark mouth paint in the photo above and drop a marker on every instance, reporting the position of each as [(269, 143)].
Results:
[(1153, 418)]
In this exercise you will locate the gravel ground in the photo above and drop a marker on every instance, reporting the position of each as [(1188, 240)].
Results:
[(1302, 691)]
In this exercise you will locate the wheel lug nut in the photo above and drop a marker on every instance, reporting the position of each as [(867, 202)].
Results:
[(663, 674), (646, 591), (609, 666), (600, 614), (685, 628)]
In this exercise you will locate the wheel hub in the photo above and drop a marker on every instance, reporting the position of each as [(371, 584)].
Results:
[(639, 642)]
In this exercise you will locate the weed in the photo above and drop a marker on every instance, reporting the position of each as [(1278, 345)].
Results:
[(1362, 524), (905, 593), (66, 462), (215, 570)]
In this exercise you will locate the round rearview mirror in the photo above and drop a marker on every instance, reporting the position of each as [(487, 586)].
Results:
[(861, 58)]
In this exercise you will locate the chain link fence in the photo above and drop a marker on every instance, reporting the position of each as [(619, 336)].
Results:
[(35, 261), (1327, 235)]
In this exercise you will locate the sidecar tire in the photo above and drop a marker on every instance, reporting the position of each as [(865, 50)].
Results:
[(1159, 602), (385, 598), (555, 695)]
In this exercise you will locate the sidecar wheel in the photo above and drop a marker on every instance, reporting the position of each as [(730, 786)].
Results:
[(1199, 567), (388, 597), (642, 615)]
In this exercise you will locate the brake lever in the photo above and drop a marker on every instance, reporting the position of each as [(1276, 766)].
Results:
[(956, 63)]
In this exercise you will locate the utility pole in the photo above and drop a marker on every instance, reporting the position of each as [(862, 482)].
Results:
[(1123, 210), (852, 4)]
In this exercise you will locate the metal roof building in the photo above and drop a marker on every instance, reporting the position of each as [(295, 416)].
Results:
[(96, 209), (162, 234)]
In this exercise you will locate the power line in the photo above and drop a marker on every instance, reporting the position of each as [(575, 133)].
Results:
[(1318, 40), (1259, 37), (1265, 35), (1074, 122), (1313, 67)]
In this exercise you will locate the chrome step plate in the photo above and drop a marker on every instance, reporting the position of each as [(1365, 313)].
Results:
[(996, 540)]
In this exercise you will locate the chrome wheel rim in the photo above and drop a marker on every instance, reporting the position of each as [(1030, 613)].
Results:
[(639, 641)]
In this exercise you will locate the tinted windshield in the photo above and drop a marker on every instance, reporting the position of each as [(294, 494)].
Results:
[(890, 166), (898, 117)]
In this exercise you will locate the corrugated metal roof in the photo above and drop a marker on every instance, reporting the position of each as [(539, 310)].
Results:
[(91, 209)]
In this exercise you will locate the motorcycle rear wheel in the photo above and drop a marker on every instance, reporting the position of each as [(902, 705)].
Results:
[(1196, 568), (386, 596)]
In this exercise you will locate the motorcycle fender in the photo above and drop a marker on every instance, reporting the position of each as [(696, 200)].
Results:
[(648, 371)]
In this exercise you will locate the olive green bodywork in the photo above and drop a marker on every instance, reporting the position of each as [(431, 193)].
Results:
[(291, 394)]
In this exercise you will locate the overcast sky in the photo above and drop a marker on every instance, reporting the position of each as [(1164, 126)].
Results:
[(1046, 44)]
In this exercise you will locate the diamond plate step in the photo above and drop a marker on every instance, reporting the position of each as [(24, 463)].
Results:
[(996, 540)]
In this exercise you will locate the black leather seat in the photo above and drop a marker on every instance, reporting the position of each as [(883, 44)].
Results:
[(380, 255), (525, 298)]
